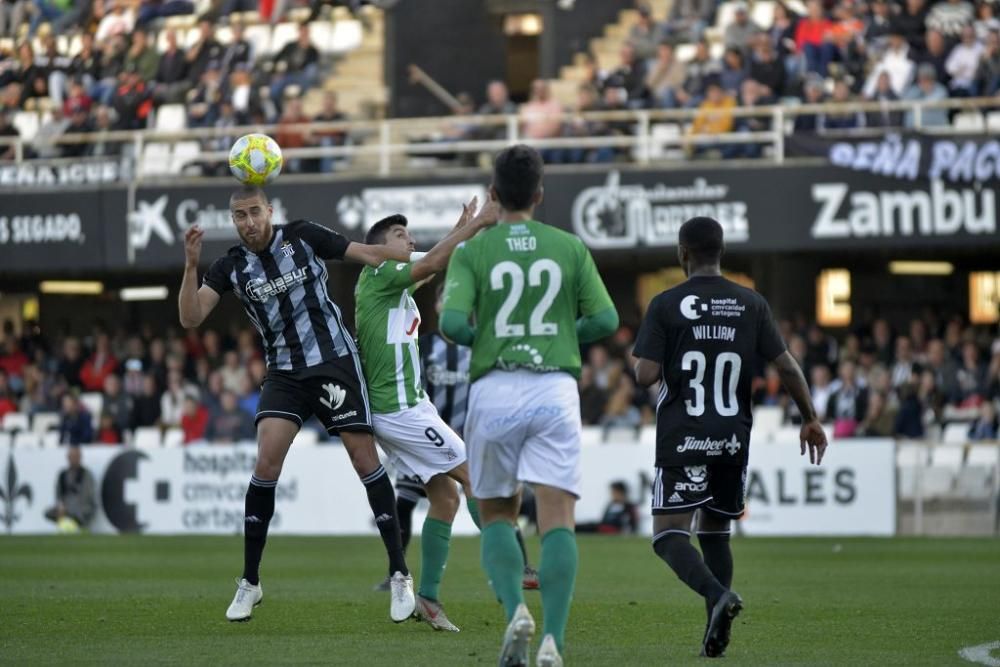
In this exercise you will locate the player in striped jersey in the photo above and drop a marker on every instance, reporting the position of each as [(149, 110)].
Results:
[(407, 425), (279, 275)]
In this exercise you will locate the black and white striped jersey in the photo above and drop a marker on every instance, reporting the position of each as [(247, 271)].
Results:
[(446, 378), (283, 291)]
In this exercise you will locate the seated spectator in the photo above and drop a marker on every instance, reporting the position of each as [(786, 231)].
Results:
[(76, 426), (77, 99), (911, 23), (142, 55), (842, 120), (666, 76), (751, 95), (950, 17), (820, 388), (812, 38), (935, 52), (99, 365), (739, 33), (541, 115), (108, 432), (631, 76), (903, 367), (971, 377), (146, 406), (79, 123), (204, 52), (782, 37), (984, 427), (249, 397), (986, 20), (7, 402), (988, 71), (769, 390), (104, 123), (172, 400), (231, 424), (194, 419), (766, 69), (133, 101), (7, 130), (12, 15), (117, 403), (292, 132), (879, 25), (884, 93), (910, 418), (297, 64), (621, 517), (120, 20), (688, 19), (76, 494), (172, 73), (700, 70), (497, 101), (848, 404), (592, 397), (963, 64), (151, 10), (734, 71), (239, 53), (880, 418), (645, 34), (203, 101), (927, 89), (56, 67), (715, 115), (588, 100), (620, 411)]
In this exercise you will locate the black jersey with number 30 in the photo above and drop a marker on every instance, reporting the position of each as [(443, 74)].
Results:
[(707, 333)]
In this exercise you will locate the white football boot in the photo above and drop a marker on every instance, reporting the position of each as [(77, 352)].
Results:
[(403, 601), (517, 638), (548, 653), (432, 613), (247, 597)]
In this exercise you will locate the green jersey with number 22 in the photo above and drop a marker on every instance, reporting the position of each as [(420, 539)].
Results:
[(526, 283)]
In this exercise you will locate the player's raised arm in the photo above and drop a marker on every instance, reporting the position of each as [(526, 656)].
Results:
[(811, 434), (329, 244), (194, 303), (469, 224)]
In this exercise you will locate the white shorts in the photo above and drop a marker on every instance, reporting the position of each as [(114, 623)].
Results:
[(523, 427), (418, 442)]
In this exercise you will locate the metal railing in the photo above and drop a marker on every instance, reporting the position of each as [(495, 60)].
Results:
[(376, 147)]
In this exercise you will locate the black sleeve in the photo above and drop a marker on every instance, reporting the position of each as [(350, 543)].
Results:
[(326, 243), (651, 343), (770, 345), (218, 275)]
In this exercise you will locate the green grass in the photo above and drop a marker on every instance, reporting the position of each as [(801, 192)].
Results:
[(136, 600)]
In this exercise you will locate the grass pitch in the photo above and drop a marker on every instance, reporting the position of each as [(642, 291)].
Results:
[(140, 600)]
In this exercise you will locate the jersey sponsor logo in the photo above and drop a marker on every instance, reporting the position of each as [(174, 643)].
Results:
[(696, 476), (261, 290), (940, 212), (690, 305), (709, 446), (335, 396), (614, 215), (346, 415)]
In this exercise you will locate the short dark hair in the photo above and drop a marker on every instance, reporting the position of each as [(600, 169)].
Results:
[(376, 235), (247, 192), (620, 486), (702, 237), (517, 175)]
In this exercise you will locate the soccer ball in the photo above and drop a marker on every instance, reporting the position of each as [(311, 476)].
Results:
[(255, 159)]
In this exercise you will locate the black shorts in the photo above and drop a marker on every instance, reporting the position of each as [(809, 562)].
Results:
[(714, 488), (335, 392), (409, 488)]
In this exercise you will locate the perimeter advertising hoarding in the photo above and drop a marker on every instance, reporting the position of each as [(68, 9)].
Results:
[(200, 489)]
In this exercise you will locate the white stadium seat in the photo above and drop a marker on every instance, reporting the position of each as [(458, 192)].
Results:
[(50, 439), (27, 123), (185, 153), (93, 401), (147, 437), (171, 118), (347, 36), (993, 121), (956, 433), (911, 455), (174, 437), (970, 121), (43, 422), (16, 421), (26, 439), (5, 438), (155, 159), (767, 421), (983, 455), (947, 456), (282, 34), (260, 37)]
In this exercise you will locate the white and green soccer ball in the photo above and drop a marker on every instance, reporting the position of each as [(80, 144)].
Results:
[(255, 159)]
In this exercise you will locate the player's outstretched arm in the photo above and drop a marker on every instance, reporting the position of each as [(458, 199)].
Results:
[(194, 304), (812, 434), (374, 255), (469, 224)]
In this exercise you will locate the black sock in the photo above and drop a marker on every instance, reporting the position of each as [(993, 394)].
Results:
[(382, 500), (404, 511), (520, 543), (718, 556), (674, 547), (257, 515)]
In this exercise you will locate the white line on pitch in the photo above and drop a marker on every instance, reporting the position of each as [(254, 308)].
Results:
[(981, 654)]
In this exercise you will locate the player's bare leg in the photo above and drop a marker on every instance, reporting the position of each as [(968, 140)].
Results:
[(434, 546), (382, 499), (274, 437), (557, 569), (672, 543)]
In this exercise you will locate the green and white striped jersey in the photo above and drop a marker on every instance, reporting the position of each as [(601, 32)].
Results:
[(388, 323)]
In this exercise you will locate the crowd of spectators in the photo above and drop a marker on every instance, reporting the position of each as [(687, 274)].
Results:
[(872, 381), (118, 78)]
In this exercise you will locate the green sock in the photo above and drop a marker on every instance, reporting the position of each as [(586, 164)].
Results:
[(435, 539), (557, 577), (473, 510), (502, 561)]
